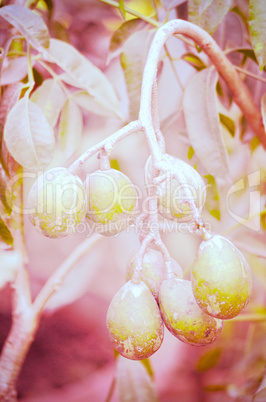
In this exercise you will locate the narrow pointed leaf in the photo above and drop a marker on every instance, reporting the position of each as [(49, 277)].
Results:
[(5, 233), (203, 125), (208, 14), (50, 98), (125, 30), (28, 136), (91, 78), (263, 109), (134, 384), (70, 127), (228, 123), (132, 61), (194, 61), (28, 23), (212, 203), (257, 29)]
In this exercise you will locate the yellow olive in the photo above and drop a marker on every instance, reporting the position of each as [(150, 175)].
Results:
[(177, 199), (112, 201), (221, 278), (153, 271), (183, 317), (57, 203), (134, 322)]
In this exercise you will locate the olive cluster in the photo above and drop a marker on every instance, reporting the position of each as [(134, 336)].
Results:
[(193, 311)]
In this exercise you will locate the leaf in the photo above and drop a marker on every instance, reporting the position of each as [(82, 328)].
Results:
[(87, 102), (5, 233), (212, 199), (28, 136), (203, 125), (5, 196), (260, 395), (28, 23), (257, 28), (86, 74), (208, 14), (248, 54), (209, 359), (190, 152), (70, 127), (133, 382), (125, 30), (122, 7), (170, 4), (194, 61), (228, 123), (8, 100), (132, 61), (147, 364), (50, 98), (14, 70)]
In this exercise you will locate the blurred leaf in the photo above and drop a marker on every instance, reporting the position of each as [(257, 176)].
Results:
[(208, 14), (170, 4), (203, 125), (212, 200), (16, 70), (50, 98), (87, 102), (5, 233), (257, 28), (5, 197), (114, 164), (208, 360), (228, 123), (260, 395), (70, 128), (88, 76), (133, 60), (194, 61), (147, 364), (9, 98), (28, 23), (125, 30), (133, 382), (248, 54), (190, 152), (28, 136)]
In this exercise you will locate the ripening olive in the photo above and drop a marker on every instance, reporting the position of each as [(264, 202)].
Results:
[(134, 322), (154, 270), (57, 203), (183, 317), (221, 278), (112, 201)]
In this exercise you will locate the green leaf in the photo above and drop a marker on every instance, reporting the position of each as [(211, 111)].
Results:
[(203, 125), (212, 199), (257, 29), (208, 14), (190, 152), (5, 196), (5, 233), (86, 74), (125, 30), (263, 109), (28, 136), (134, 384), (70, 127), (147, 364), (50, 98), (248, 54), (132, 61), (209, 359), (194, 61), (28, 23), (228, 123)]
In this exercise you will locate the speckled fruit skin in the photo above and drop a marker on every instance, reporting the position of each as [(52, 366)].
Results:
[(134, 322), (112, 201), (57, 200), (183, 317), (172, 194), (221, 278), (153, 270)]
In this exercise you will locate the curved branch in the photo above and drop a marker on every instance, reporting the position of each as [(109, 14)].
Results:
[(238, 88)]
